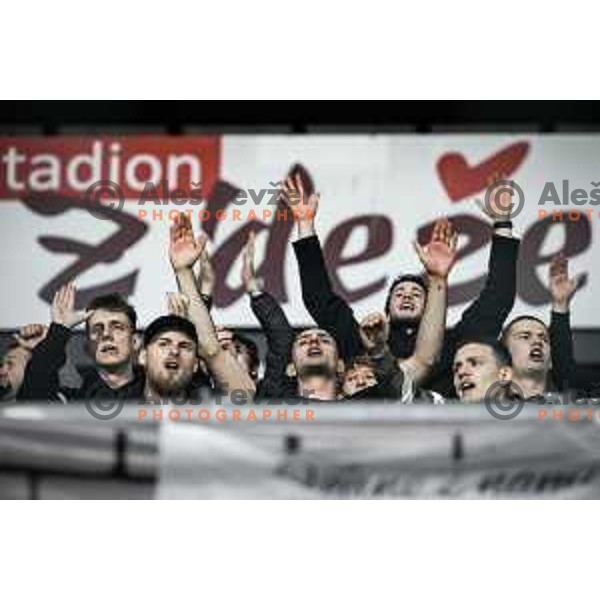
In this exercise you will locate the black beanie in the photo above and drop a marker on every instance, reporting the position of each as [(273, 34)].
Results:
[(170, 323)]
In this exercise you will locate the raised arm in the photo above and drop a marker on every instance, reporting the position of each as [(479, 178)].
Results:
[(206, 278), (392, 381), (567, 375), (438, 258), (184, 251), (486, 315), (274, 323), (330, 311), (41, 379)]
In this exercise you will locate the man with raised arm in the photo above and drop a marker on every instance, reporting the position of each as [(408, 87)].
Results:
[(407, 295), (242, 347), (543, 358), (14, 361), (110, 342), (313, 370), (184, 251), (277, 329), (566, 373), (333, 314)]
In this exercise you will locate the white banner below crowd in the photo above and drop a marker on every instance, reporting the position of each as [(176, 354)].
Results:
[(377, 452)]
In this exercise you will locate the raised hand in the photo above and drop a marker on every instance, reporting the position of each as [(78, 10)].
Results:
[(304, 208), (248, 274), (500, 201), (439, 255), (184, 248), (30, 336), (207, 277), (63, 307), (178, 304), (562, 288), (374, 331)]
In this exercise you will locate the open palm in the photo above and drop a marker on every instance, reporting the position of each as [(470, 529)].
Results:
[(561, 287), (293, 194), (184, 248), (439, 255)]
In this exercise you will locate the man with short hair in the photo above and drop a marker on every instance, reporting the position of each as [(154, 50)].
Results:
[(478, 365), (528, 341), (110, 342), (320, 374), (405, 301), (333, 314), (407, 295), (316, 365)]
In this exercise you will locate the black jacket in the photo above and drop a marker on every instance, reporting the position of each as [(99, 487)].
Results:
[(41, 381), (484, 317), (567, 375), (280, 338)]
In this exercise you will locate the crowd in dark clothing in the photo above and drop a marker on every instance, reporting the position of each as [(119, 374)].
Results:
[(402, 353), (484, 317)]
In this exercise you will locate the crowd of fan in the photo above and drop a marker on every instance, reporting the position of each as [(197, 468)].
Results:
[(402, 353)]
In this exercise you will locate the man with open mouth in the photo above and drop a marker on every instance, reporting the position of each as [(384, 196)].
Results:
[(111, 342), (528, 341), (316, 365), (407, 297), (479, 364), (170, 356)]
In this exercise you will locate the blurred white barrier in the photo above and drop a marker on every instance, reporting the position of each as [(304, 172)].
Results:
[(62, 452), (350, 450), (383, 452)]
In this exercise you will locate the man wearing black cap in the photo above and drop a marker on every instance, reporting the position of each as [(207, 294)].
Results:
[(408, 293), (170, 356)]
